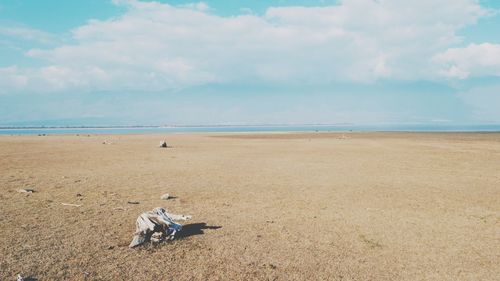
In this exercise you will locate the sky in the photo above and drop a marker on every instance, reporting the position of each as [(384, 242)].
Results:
[(130, 62)]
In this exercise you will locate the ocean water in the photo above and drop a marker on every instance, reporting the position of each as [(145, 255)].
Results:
[(242, 129)]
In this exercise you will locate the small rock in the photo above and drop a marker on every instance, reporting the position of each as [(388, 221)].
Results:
[(163, 144), (78, 195), (26, 190), (133, 202), (165, 196), (111, 247)]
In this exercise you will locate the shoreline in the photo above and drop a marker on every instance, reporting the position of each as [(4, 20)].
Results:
[(143, 130)]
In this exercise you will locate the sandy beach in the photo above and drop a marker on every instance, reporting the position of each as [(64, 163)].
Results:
[(289, 206)]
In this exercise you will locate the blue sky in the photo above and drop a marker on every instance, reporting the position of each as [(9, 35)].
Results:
[(129, 62)]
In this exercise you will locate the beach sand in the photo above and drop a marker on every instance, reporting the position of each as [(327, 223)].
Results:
[(316, 206)]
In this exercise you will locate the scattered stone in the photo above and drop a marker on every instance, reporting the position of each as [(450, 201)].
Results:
[(165, 196), (163, 144), (26, 190), (111, 247), (133, 202), (78, 195)]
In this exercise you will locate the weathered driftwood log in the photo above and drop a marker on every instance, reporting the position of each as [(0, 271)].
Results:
[(156, 225), (163, 144)]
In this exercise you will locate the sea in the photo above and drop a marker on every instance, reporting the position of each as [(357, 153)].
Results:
[(248, 129)]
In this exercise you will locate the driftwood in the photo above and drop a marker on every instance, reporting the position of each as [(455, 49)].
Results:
[(156, 226), (72, 205)]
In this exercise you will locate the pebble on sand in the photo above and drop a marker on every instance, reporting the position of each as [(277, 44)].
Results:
[(26, 190)]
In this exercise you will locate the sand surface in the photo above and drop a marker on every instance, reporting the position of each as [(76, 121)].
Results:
[(372, 206)]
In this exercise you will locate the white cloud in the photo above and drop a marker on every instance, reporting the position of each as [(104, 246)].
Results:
[(26, 33), (473, 60), (156, 46), (200, 6), (13, 77)]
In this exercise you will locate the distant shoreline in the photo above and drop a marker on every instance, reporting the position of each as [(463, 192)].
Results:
[(311, 128), (170, 126)]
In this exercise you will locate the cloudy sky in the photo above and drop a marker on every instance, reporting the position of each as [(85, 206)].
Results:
[(126, 62)]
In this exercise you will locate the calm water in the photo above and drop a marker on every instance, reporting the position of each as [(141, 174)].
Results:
[(222, 129)]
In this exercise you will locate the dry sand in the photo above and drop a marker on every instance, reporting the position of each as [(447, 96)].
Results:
[(374, 206)]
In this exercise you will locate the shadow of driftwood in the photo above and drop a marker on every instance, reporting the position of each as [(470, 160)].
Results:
[(195, 229)]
